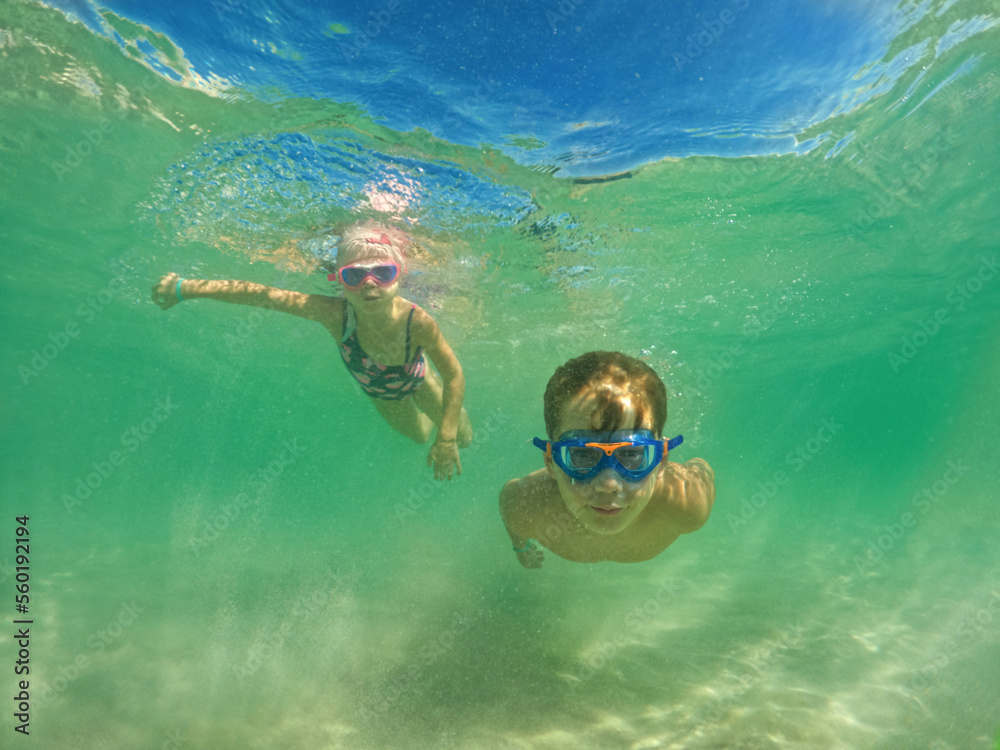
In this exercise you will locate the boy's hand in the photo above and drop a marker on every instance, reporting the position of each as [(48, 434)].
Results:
[(444, 458), (533, 557), (165, 291)]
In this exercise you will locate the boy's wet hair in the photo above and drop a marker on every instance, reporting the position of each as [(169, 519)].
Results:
[(370, 239), (626, 374)]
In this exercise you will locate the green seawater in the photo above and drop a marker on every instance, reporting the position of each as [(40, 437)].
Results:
[(228, 549)]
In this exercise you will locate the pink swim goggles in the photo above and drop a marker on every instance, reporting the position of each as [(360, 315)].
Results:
[(352, 276)]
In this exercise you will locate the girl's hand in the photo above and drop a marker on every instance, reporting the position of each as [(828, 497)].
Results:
[(533, 557), (444, 458), (165, 291)]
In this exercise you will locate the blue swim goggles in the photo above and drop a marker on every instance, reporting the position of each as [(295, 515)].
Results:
[(583, 454)]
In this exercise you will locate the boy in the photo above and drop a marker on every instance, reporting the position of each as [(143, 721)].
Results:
[(607, 491)]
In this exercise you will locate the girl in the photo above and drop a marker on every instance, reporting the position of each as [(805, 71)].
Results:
[(382, 337)]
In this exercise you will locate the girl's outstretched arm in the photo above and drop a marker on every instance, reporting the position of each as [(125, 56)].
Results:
[(444, 453), (171, 290)]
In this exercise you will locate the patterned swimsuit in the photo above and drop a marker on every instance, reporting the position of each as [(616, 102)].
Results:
[(389, 382)]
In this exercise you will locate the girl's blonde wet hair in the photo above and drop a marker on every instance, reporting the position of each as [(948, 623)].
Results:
[(370, 239)]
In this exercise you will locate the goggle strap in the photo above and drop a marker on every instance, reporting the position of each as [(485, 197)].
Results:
[(545, 445), (674, 442)]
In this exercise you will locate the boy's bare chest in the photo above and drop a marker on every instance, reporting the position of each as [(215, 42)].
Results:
[(562, 534)]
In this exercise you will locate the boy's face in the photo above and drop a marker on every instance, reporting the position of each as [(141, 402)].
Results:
[(608, 503)]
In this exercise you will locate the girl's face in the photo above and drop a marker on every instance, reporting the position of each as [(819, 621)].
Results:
[(366, 279), (608, 503)]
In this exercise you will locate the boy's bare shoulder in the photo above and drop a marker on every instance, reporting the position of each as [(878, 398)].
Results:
[(525, 496), (694, 470), (523, 489), (689, 493)]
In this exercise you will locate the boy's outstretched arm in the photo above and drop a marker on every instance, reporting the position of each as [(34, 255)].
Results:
[(171, 290), (511, 511)]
